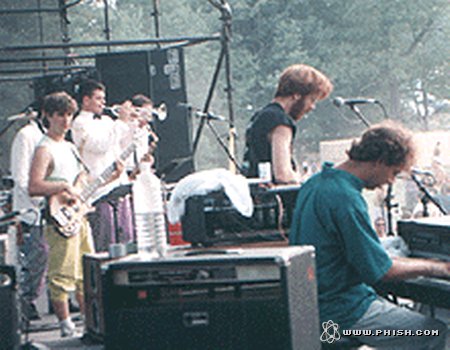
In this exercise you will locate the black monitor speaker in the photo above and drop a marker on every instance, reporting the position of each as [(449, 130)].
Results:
[(228, 299), (93, 301), (159, 74), (9, 330)]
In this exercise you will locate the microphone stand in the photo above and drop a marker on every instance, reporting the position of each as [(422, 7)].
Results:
[(224, 56), (224, 146), (389, 206), (427, 197), (382, 107), (359, 114), (10, 123)]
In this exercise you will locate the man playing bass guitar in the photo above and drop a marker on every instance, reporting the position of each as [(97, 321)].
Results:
[(55, 168)]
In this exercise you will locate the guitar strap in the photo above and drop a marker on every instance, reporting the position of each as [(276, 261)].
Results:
[(40, 126), (78, 158), (135, 159)]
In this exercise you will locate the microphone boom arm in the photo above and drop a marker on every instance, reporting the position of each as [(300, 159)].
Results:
[(386, 116), (358, 113), (427, 197)]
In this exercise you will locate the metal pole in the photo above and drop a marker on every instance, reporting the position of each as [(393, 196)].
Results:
[(42, 58), (38, 9), (41, 35), (156, 15), (64, 23), (208, 101), (226, 37), (26, 11), (187, 39), (44, 70), (107, 28)]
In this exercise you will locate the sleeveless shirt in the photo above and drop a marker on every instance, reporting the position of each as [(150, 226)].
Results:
[(66, 165)]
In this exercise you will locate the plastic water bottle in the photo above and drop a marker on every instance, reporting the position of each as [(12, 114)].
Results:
[(149, 213)]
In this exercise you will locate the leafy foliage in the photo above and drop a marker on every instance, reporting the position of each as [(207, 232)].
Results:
[(391, 50)]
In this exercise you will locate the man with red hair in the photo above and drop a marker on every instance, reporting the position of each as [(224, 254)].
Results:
[(271, 132)]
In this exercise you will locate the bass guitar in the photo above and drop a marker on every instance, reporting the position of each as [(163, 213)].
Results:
[(68, 215)]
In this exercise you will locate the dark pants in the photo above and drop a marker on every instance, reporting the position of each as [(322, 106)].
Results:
[(103, 223)]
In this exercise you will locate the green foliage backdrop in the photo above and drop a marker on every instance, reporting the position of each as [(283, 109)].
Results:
[(395, 51)]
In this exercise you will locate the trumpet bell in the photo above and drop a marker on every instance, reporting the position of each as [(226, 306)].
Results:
[(160, 112)]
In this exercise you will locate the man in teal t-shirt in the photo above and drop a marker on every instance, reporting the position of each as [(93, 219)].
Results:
[(332, 215)]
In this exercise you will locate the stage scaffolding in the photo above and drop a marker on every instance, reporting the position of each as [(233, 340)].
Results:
[(67, 61)]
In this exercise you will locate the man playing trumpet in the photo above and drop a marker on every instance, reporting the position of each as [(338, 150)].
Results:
[(99, 140)]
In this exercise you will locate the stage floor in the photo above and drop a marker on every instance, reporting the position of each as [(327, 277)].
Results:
[(45, 333)]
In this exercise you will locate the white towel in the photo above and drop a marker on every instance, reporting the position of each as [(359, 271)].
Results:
[(202, 182)]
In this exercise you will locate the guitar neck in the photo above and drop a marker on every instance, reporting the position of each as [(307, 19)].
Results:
[(106, 174)]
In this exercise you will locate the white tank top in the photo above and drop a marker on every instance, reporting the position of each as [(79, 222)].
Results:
[(66, 165)]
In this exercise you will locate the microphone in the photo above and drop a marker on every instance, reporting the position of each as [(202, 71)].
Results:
[(199, 114), (14, 213), (210, 116), (184, 105), (428, 178), (112, 112), (339, 101), (28, 114), (417, 171)]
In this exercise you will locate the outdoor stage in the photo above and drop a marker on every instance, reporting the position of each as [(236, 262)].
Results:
[(45, 334)]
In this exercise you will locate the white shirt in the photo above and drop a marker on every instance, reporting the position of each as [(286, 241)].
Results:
[(100, 143), (22, 151), (66, 165)]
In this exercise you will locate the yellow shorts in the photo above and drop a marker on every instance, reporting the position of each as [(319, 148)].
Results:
[(65, 261)]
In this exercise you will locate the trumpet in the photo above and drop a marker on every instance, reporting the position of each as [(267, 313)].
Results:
[(148, 114), (159, 112)]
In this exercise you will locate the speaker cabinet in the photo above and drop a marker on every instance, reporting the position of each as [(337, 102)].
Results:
[(9, 330), (3, 247), (259, 298), (93, 289), (158, 74)]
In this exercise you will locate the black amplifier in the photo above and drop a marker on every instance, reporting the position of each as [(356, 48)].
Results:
[(9, 318), (427, 237), (260, 298), (212, 218), (93, 273)]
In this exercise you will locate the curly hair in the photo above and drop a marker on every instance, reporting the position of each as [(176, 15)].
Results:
[(304, 80), (387, 142)]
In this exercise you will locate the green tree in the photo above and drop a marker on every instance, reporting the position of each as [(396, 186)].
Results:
[(391, 50), (369, 48)]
